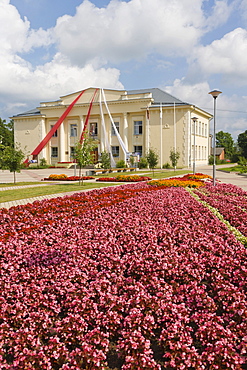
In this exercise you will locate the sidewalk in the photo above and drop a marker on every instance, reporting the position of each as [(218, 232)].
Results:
[(33, 175), (225, 177), (38, 175)]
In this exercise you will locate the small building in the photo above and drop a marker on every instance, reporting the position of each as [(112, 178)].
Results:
[(219, 153), (121, 121)]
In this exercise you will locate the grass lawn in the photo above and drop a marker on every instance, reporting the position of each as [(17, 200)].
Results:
[(9, 195), (35, 191), (157, 174), (230, 169)]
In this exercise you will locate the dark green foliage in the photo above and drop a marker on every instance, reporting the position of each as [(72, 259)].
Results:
[(143, 163), (152, 158), (174, 157), (121, 164), (6, 133), (242, 143), (225, 140), (12, 159), (105, 160)]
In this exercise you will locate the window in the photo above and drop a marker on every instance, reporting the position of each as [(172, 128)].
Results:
[(93, 129), (203, 129), (138, 150), (55, 133), (112, 129), (72, 152), (54, 151), (73, 130), (137, 127), (199, 129), (206, 129), (115, 151)]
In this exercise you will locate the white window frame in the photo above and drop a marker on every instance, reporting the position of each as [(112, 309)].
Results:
[(55, 133), (54, 149), (117, 124), (138, 125), (138, 151), (115, 150), (73, 130)]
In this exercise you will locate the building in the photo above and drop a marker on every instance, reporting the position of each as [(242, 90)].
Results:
[(122, 121), (219, 153)]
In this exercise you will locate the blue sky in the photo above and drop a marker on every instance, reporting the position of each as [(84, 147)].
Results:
[(187, 48)]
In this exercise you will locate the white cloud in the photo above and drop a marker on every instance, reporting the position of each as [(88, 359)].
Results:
[(227, 56), (243, 7), (123, 31), (230, 109), (195, 94), (22, 82), (221, 11), (95, 38), (52, 79)]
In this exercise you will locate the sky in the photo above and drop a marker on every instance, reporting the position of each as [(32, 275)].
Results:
[(50, 48)]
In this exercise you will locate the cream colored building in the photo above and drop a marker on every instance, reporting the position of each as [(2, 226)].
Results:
[(144, 119)]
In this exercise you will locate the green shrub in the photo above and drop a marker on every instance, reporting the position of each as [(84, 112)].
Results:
[(121, 164), (43, 162), (211, 160), (105, 160), (143, 163), (166, 165)]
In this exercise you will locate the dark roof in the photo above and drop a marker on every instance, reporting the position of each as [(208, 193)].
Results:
[(218, 151), (159, 96), (32, 112)]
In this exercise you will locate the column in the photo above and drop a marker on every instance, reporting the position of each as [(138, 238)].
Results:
[(62, 143), (43, 153), (81, 125), (125, 133)]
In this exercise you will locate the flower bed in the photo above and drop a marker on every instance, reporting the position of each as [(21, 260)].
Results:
[(130, 277), (197, 176), (190, 181), (125, 178), (63, 177), (231, 202)]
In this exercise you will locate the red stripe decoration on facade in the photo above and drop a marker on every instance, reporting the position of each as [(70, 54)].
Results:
[(87, 118), (43, 143)]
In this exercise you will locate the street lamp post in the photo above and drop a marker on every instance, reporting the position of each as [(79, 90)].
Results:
[(194, 151), (215, 94)]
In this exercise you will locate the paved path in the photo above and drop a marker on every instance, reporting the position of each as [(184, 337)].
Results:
[(38, 175), (225, 177)]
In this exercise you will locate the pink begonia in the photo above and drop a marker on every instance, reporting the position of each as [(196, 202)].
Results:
[(130, 277)]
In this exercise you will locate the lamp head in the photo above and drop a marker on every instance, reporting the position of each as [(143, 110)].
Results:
[(215, 93), (194, 118)]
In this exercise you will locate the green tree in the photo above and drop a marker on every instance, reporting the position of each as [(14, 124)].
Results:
[(242, 143), (174, 157), (225, 140), (152, 158), (83, 153), (105, 160), (6, 133), (11, 159)]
